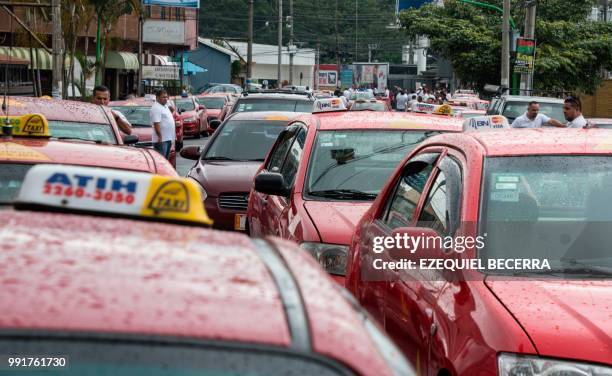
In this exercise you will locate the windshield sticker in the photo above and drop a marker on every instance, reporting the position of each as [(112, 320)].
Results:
[(506, 186), (505, 196), (327, 144), (340, 135), (507, 179)]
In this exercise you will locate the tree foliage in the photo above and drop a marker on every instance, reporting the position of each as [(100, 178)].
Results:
[(571, 51)]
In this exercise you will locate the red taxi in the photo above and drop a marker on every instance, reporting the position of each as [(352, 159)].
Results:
[(71, 119), (214, 103), (193, 114), (20, 150), (162, 295), (325, 170), (137, 112), (227, 164), (531, 292)]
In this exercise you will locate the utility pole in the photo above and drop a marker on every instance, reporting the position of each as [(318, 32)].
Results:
[(250, 45), (290, 42), (316, 76), (140, 31), (57, 84), (527, 79), (505, 58), (356, 18), (280, 42), (337, 47)]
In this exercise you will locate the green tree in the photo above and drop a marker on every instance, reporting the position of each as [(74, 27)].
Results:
[(571, 50)]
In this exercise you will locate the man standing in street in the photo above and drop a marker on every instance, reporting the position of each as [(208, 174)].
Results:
[(101, 97), (402, 100), (163, 124), (533, 119)]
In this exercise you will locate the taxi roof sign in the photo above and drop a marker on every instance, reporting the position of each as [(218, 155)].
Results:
[(111, 192), (328, 104), (486, 123), (29, 125)]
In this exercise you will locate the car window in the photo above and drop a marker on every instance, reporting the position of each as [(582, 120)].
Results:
[(277, 156), (138, 116), (185, 104), (212, 102), (11, 178), (267, 104), (290, 167), (244, 140), (441, 209), (158, 358), (86, 131), (513, 110), (405, 199)]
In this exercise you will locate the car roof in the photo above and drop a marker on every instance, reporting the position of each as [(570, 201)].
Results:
[(62, 110), (525, 142), (527, 98), (274, 96), (386, 120), (140, 101), (27, 150), (265, 115), (179, 281)]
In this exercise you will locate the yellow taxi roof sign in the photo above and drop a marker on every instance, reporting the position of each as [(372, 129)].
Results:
[(113, 192), (29, 125), (486, 123)]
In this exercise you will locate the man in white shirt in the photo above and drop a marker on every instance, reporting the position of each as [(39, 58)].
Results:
[(164, 131), (401, 101), (533, 119), (415, 104), (386, 92), (572, 110)]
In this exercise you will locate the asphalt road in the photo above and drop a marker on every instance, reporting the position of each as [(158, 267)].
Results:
[(184, 165)]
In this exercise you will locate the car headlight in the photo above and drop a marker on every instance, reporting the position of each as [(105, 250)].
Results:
[(332, 257), (189, 120), (202, 190), (520, 365)]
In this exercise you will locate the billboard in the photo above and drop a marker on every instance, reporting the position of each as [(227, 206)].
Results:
[(328, 78), (371, 75), (164, 32), (160, 72), (405, 4), (174, 3)]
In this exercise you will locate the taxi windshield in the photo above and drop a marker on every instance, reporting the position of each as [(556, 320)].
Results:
[(374, 106), (185, 104), (355, 164), (138, 116), (212, 103), (248, 140), (75, 357), (267, 104), (11, 178), (84, 131), (516, 109), (553, 207)]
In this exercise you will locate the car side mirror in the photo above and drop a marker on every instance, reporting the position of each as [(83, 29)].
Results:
[(271, 183), (181, 110), (130, 139), (191, 152), (215, 123), (201, 108)]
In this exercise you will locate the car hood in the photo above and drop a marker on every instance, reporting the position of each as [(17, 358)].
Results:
[(564, 319), (189, 114), (221, 176), (336, 220)]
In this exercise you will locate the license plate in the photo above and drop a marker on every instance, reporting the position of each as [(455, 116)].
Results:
[(240, 222)]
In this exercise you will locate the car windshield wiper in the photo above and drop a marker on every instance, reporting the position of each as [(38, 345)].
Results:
[(81, 139), (574, 266), (344, 194), (218, 159)]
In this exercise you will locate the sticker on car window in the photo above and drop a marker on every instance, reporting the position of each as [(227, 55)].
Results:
[(327, 144), (507, 179), (505, 196), (505, 186), (340, 135)]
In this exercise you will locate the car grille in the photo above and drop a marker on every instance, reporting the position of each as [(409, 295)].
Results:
[(234, 201)]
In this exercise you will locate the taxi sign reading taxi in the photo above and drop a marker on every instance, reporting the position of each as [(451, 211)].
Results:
[(486, 123), (107, 191), (29, 125), (329, 104)]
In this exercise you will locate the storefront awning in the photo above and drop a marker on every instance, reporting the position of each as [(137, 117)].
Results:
[(191, 68), (43, 58), (122, 60)]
